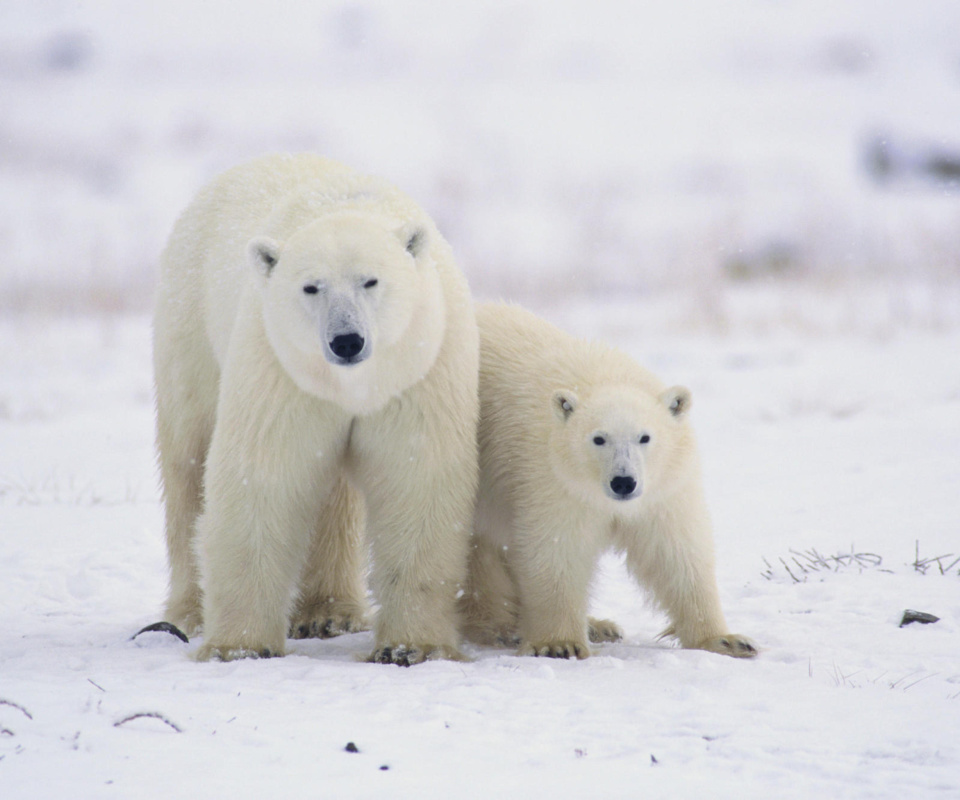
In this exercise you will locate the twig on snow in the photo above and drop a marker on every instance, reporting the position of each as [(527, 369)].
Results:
[(802, 564), (149, 715), (921, 565), (16, 706), (910, 685)]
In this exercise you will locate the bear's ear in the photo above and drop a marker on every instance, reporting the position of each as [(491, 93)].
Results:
[(677, 400), (414, 238), (263, 254), (564, 403)]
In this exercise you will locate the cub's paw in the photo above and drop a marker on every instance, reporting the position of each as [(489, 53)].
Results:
[(327, 625), (407, 655), (212, 652), (731, 644), (557, 649), (604, 630)]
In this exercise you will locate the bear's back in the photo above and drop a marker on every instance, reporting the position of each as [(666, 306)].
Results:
[(524, 359)]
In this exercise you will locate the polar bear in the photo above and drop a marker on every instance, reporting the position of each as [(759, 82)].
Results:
[(582, 450), (316, 357)]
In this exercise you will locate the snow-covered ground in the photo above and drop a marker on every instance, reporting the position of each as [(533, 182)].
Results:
[(848, 445), (688, 180)]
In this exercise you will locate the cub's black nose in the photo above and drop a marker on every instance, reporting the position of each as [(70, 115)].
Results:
[(623, 485), (347, 345)]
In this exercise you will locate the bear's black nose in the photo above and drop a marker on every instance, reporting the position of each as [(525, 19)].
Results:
[(347, 345), (623, 485)]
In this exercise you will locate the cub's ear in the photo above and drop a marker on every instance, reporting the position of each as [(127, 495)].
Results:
[(414, 238), (564, 403), (263, 254), (677, 400)]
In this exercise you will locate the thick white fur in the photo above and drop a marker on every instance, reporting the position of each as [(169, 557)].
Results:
[(560, 418), (273, 457)]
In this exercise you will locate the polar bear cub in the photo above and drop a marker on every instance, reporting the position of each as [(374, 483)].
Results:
[(316, 357), (582, 450)]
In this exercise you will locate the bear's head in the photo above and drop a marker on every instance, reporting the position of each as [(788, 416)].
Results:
[(352, 305), (617, 443)]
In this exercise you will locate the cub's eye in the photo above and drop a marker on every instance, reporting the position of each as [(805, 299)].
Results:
[(645, 438), (370, 283), (310, 289), (598, 440)]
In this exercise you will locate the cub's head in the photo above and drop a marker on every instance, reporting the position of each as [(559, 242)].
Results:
[(618, 443), (352, 305)]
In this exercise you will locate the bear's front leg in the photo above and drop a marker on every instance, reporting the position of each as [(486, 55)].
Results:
[(553, 569), (419, 477), (269, 472), (671, 554), (250, 566)]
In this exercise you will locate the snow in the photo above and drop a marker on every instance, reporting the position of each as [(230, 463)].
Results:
[(684, 180), (847, 445)]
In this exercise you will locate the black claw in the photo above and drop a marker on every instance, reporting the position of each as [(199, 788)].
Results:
[(725, 642), (351, 748)]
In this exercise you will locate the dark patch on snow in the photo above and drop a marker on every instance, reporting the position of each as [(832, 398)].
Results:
[(917, 616), (163, 627)]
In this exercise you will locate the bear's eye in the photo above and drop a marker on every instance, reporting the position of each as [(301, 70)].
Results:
[(598, 440), (645, 438), (370, 283), (310, 289)]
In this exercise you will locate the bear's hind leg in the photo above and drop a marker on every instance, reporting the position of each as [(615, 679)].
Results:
[(185, 415), (333, 597), (489, 607)]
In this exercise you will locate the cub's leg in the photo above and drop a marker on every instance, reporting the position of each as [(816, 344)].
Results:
[(553, 569), (333, 595), (672, 555)]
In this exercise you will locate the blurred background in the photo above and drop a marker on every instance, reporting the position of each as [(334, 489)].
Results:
[(755, 162)]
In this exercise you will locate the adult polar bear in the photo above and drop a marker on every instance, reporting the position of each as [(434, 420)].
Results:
[(314, 341), (582, 449)]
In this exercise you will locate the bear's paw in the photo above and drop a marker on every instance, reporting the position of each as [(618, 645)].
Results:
[(212, 652), (566, 648), (731, 644), (327, 623), (407, 655), (604, 630)]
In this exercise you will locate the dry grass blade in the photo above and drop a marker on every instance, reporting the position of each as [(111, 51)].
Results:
[(17, 706), (148, 715), (801, 564)]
